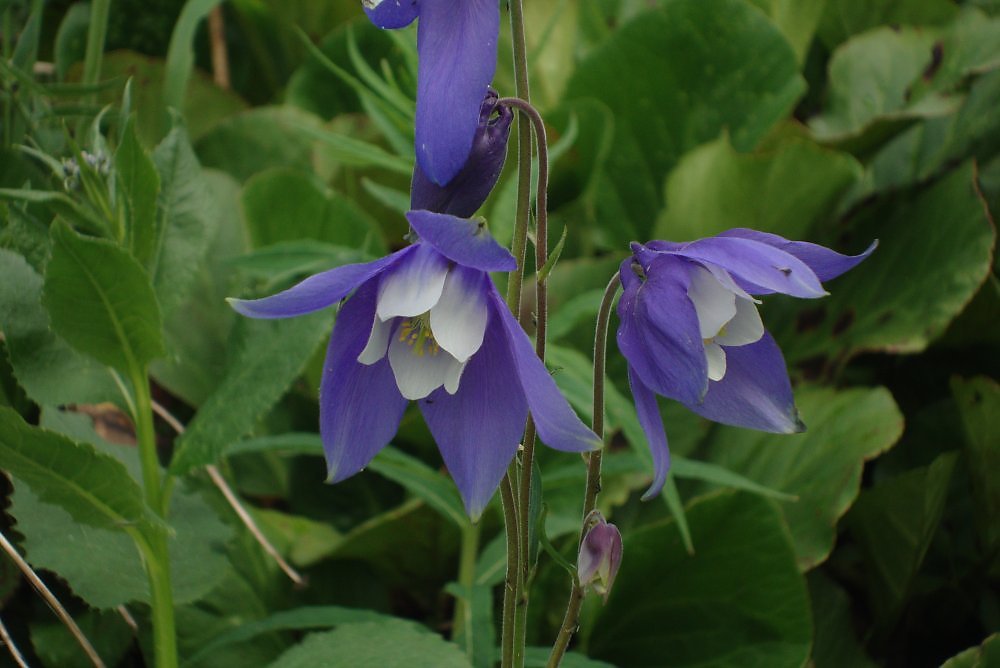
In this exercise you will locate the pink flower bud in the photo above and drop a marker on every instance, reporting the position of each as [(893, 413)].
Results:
[(600, 554)]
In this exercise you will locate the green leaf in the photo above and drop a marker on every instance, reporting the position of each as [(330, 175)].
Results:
[(297, 619), (538, 657), (741, 594), (893, 524), (384, 643), (797, 20), (93, 488), (59, 204), (784, 189), (288, 205), (822, 466), (71, 39), (435, 489), (984, 656), (304, 541), (100, 300), (267, 356), (139, 187), (279, 263), (905, 295), (664, 105), (186, 222), (108, 632), (180, 54), (53, 540), (836, 642), (49, 370), (477, 633), (978, 402), (845, 18)]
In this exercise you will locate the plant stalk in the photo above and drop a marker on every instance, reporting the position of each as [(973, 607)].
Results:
[(96, 32), (572, 618)]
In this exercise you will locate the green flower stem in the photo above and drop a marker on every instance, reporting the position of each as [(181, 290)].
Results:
[(513, 565), (572, 618), (462, 619), (156, 554), (96, 32)]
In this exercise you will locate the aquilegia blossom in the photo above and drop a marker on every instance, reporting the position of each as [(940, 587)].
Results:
[(457, 50), (600, 554), (427, 324), (690, 329)]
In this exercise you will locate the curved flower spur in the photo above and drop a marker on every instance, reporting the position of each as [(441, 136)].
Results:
[(690, 329), (427, 324)]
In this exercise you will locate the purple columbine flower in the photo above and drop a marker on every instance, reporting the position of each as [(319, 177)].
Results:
[(457, 49), (600, 554), (427, 324), (690, 329)]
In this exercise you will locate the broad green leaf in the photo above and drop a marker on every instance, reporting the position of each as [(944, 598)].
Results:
[(59, 204), (978, 401), (836, 643), (139, 187), (382, 643), (92, 488), (845, 18), (49, 370), (822, 466), (297, 619), (266, 356), (186, 220), (741, 594), (71, 39), (279, 263), (100, 300), (664, 105), (905, 295), (304, 541), (288, 205), (259, 139), (107, 631), (204, 104), (53, 540), (784, 189), (893, 524), (984, 656), (476, 634), (797, 20)]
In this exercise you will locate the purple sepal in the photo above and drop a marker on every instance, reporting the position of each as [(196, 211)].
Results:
[(825, 263), (600, 554), (652, 425), (461, 240), (391, 14)]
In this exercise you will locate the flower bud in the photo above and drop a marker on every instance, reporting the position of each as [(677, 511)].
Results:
[(600, 554), (465, 193)]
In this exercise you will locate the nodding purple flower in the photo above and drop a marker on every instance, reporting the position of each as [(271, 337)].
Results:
[(690, 329), (426, 324), (600, 554), (457, 49)]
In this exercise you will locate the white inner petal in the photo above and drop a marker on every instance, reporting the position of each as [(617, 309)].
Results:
[(714, 304), (417, 375), (745, 327), (458, 320), (454, 376), (414, 287), (716, 361), (378, 341)]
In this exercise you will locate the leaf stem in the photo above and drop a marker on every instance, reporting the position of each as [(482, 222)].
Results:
[(572, 618), (462, 619), (96, 32)]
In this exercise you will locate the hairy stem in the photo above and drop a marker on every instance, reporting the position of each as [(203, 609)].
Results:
[(572, 618)]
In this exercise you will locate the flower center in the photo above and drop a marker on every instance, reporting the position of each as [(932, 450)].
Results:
[(416, 333)]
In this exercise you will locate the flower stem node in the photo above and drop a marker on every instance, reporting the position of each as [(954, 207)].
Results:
[(600, 554)]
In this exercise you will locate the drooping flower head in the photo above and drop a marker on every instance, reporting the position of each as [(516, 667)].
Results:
[(427, 324), (457, 50), (600, 554), (690, 329)]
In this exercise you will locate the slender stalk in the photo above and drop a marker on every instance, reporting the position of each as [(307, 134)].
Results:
[(51, 600), (157, 556), (462, 619), (572, 618), (234, 502), (513, 567), (220, 56), (15, 653), (96, 32)]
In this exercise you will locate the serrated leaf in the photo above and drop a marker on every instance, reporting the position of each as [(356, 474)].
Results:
[(100, 300), (138, 187), (267, 356), (93, 488), (49, 370), (185, 222)]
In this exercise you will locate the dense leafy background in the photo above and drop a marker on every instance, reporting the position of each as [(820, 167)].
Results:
[(871, 539)]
